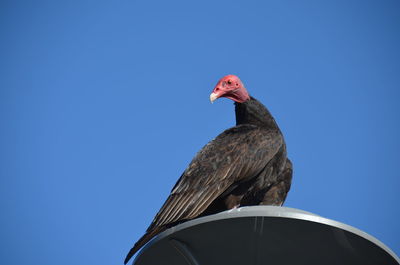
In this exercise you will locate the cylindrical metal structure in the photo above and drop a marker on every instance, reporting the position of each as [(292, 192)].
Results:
[(265, 235)]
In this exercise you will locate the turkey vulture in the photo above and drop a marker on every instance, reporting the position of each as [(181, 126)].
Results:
[(244, 165)]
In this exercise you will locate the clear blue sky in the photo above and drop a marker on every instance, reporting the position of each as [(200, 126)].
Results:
[(103, 105)]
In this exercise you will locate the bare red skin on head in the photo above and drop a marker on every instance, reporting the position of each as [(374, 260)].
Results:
[(231, 87)]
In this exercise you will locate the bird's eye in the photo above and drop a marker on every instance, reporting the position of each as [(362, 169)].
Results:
[(229, 82)]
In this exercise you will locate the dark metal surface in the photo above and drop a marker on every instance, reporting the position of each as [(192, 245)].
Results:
[(264, 235)]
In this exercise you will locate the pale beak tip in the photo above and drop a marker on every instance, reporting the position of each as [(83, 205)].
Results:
[(213, 97)]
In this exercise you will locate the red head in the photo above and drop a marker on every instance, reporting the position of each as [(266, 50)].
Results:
[(230, 87)]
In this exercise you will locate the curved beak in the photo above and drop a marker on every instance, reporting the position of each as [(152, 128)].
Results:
[(213, 97)]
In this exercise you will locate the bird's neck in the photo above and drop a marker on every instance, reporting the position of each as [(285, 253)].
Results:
[(253, 112)]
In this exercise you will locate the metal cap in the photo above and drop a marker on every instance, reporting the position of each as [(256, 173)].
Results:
[(264, 235)]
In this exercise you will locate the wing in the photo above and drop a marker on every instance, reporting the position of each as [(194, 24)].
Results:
[(237, 154), (276, 194)]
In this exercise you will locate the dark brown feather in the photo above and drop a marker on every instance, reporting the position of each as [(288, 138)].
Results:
[(244, 165)]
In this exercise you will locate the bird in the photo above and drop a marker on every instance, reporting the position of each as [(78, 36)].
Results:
[(243, 166)]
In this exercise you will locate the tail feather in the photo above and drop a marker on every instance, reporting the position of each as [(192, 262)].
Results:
[(142, 241)]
